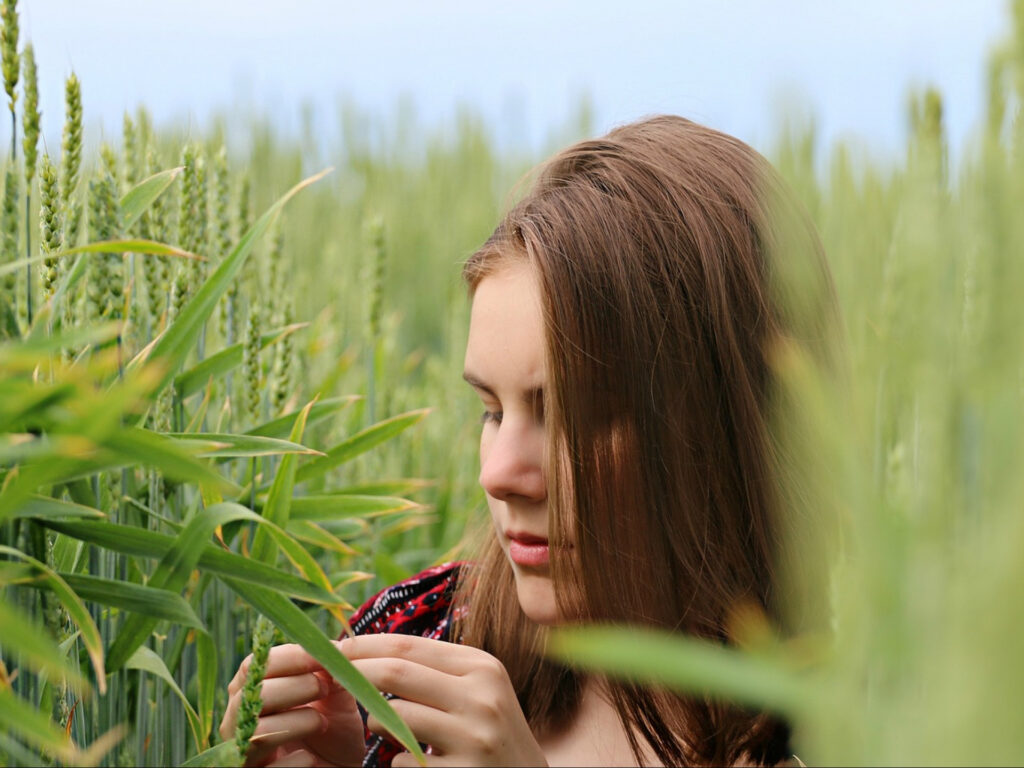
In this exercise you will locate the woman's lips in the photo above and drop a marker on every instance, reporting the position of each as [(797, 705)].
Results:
[(527, 550)]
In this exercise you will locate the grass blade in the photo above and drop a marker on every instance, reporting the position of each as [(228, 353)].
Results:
[(37, 348), (280, 426), (684, 663), (46, 506), (33, 726), (311, 533), (212, 559), (340, 506), (37, 650), (229, 446), (278, 505), (195, 378), (147, 660), (134, 245), (136, 598), (401, 487), (206, 683), (359, 443), (225, 753), (172, 573), (134, 202), (169, 456), (76, 609)]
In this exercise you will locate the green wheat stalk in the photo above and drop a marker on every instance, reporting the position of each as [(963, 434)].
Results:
[(30, 143), (10, 63), (252, 702), (71, 159), (9, 230), (51, 234), (282, 369)]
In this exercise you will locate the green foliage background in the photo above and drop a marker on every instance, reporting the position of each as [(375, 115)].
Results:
[(117, 644)]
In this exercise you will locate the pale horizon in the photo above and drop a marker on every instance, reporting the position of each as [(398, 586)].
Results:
[(739, 66)]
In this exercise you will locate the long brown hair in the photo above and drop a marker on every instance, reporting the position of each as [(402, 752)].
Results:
[(659, 251)]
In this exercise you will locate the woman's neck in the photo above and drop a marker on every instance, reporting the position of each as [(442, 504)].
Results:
[(594, 735)]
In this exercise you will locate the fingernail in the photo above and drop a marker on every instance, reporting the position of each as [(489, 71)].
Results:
[(325, 687)]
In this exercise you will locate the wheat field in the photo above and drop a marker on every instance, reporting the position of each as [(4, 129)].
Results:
[(231, 409)]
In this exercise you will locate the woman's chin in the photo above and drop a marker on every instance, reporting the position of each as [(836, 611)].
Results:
[(537, 599)]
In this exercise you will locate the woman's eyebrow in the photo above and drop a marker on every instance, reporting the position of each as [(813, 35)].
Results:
[(477, 383), (531, 396)]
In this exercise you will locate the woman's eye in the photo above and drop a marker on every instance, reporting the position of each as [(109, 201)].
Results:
[(491, 416)]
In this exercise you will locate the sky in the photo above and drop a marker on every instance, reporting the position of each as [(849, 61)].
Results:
[(741, 66)]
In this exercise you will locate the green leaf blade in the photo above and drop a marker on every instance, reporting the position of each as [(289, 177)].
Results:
[(360, 443), (135, 202), (684, 663), (230, 446), (212, 559)]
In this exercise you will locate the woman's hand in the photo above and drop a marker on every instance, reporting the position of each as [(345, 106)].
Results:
[(455, 698), (307, 718)]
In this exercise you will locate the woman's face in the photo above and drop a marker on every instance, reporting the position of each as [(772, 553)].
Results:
[(505, 365)]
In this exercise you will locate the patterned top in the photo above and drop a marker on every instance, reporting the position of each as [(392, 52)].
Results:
[(420, 606)]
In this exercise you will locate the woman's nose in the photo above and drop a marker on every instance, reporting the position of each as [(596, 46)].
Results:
[(511, 462)]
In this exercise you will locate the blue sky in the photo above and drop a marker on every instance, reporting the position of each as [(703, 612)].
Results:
[(734, 64)]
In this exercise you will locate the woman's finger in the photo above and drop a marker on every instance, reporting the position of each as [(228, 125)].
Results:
[(406, 760), (283, 660), (278, 694), (227, 723), (412, 682), (450, 658), (274, 731), (281, 693), (429, 725), (298, 757)]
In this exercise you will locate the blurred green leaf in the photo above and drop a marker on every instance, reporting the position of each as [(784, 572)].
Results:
[(175, 456), (346, 527), (77, 611), (225, 753), (15, 752), (685, 664), (46, 506), (36, 648), (34, 350), (33, 726), (401, 487)]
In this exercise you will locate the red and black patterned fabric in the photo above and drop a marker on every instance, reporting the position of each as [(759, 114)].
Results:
[(420, 606)]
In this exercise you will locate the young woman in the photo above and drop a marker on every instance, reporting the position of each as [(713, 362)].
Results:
[(626, 314)]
